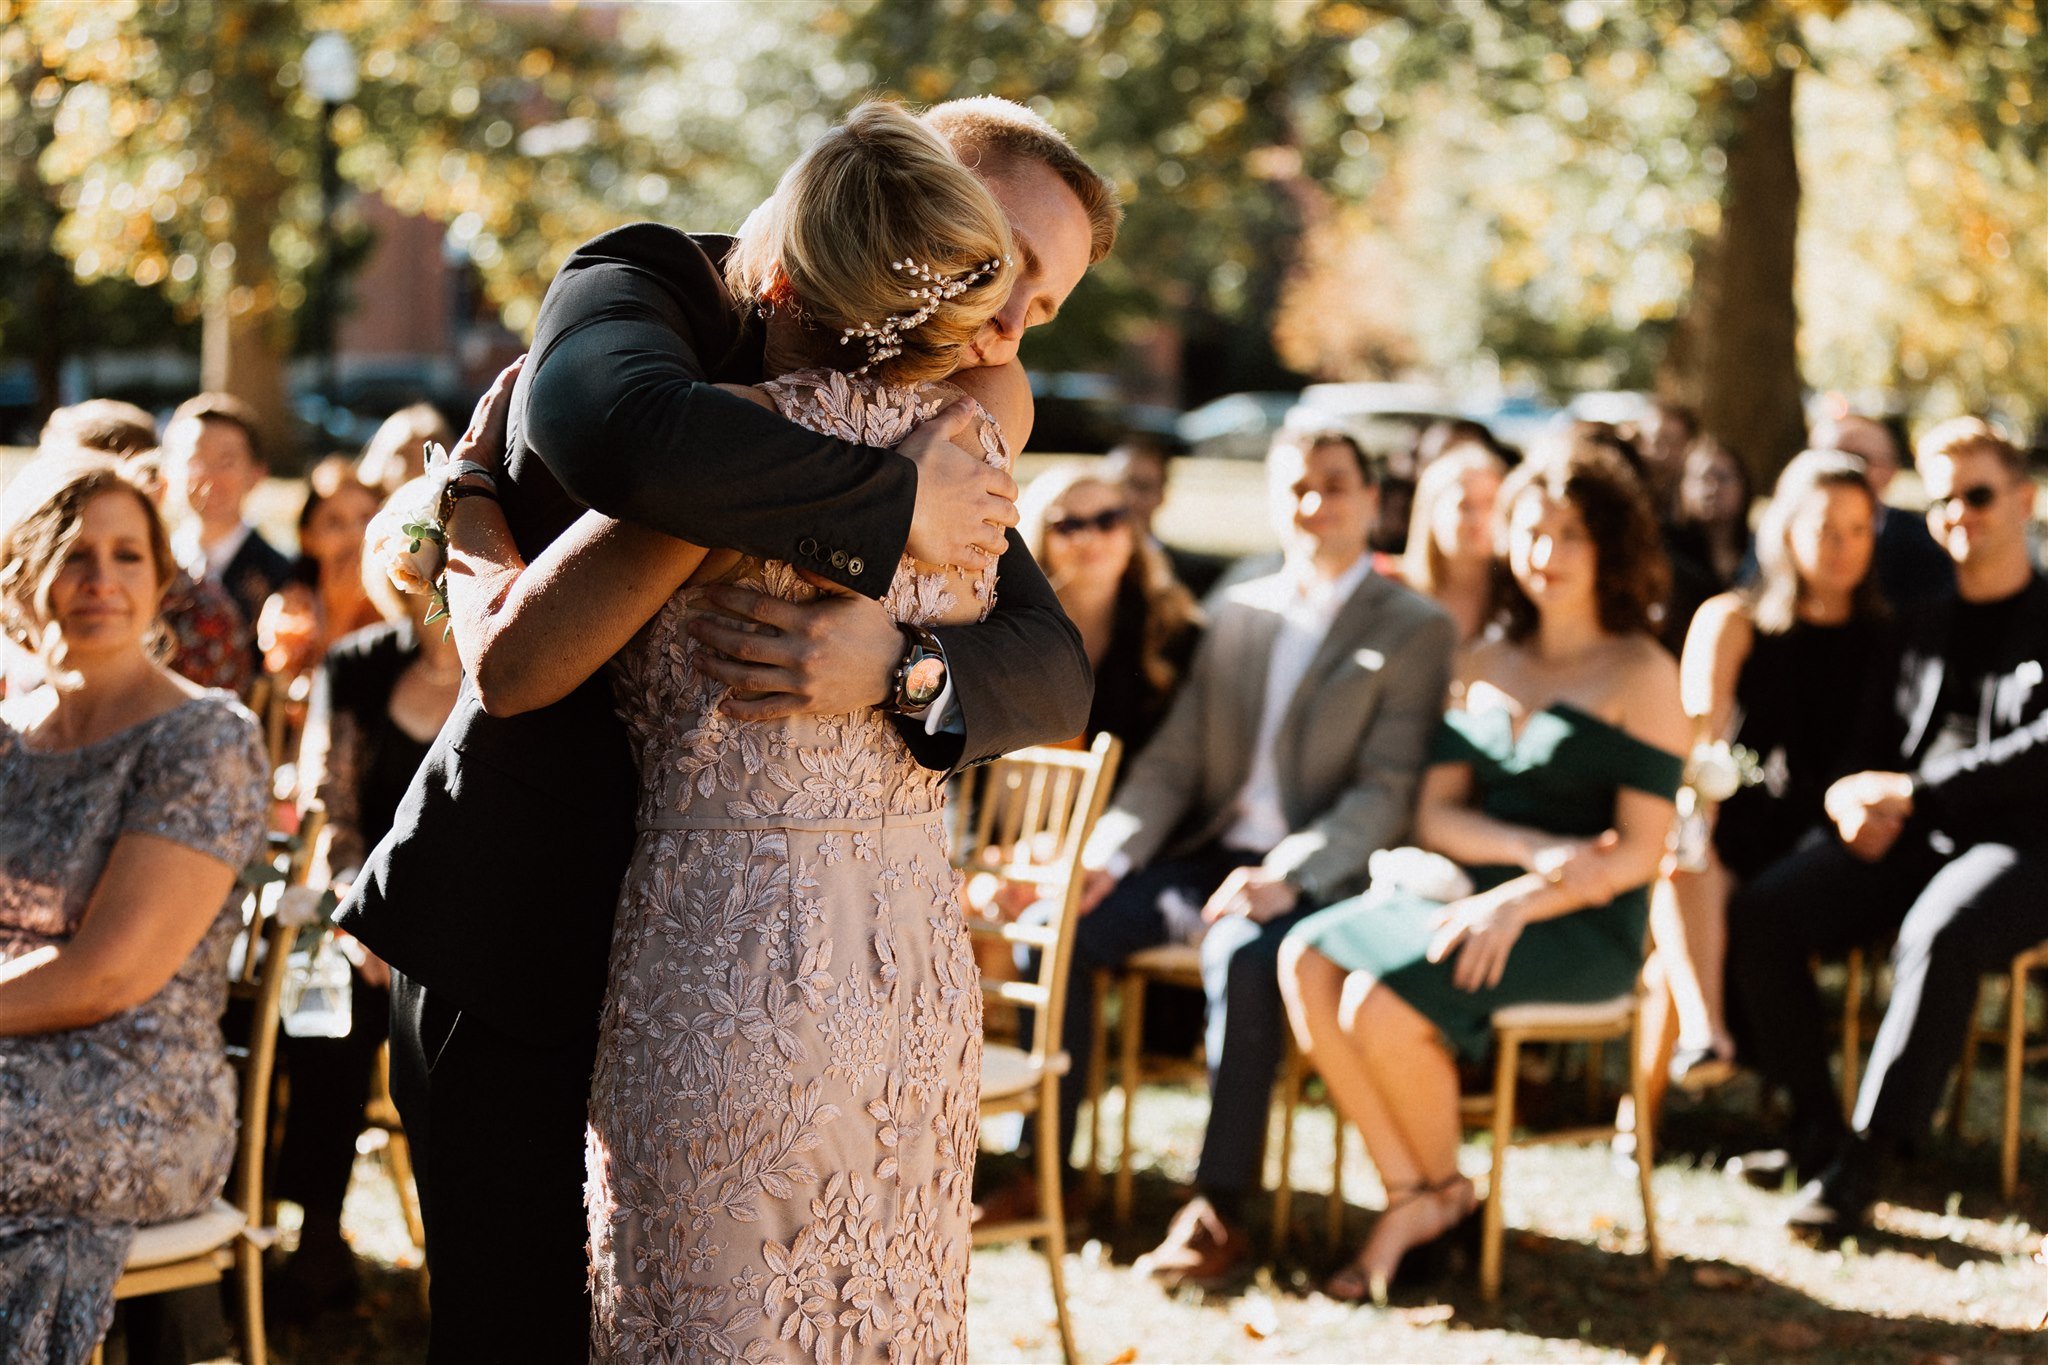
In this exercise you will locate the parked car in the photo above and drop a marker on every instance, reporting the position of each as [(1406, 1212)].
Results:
[(1081, 413), (1237, 426)]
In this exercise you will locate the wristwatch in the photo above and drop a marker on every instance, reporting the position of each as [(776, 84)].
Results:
[(920, 675), (465, 479)]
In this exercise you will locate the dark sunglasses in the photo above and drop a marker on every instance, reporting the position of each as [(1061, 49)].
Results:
[(1105, 521), (1976, 497)]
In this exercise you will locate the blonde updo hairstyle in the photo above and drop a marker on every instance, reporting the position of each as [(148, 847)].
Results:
[(40, 519), (878, 190)]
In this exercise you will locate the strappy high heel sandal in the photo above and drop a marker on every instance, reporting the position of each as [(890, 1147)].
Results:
[(1426, 1262)]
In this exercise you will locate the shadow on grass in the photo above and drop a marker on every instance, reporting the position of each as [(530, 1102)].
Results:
[(1568, 1290)]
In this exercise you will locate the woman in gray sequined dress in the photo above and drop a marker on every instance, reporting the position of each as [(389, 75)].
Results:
[(129, 800)]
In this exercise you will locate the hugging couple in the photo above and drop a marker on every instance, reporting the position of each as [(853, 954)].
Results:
[(685, 923)]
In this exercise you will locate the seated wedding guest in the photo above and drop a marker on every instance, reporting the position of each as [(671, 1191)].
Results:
[(379, 699), (1138, 624), (1447, 434), (1910, 566), (1142, 463), (1450, 534), (1711, 526), (1941, 839), (1778, 668), (214, 462), (107, 425), (397, 454), (1550, 795), (1663, 438), (129, 802), (322, 599), (208, 639), (1288, 758)]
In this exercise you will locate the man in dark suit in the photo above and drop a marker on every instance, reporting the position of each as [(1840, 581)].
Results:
[(214, 460), (1944, 840), (493, 898), (1910, 566)]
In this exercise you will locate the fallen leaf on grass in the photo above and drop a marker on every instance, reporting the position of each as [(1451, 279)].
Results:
[(1126, 1356), (1656, 1355), (1255, 1313), (1719, 1277), (1426, 1315)]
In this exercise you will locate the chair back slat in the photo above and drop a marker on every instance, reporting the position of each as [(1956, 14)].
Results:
[(258, 986), (1033, 813)]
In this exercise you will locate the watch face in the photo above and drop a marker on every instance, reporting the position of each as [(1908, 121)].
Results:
[(923, 680)]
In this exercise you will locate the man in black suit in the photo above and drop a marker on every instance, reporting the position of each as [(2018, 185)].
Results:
[(213, 458), (1943, 840), (493, 898), (1910, 566)]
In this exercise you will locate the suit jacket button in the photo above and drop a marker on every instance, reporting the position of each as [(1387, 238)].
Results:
[(856, 566), (807, 547), (838, 560)]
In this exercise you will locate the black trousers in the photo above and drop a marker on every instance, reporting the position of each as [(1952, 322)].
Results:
[(496, 1127), (1247, 1020), (330, 1082), (1958, 914)]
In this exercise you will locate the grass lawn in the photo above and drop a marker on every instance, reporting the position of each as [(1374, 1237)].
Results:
[(1947, 1276)]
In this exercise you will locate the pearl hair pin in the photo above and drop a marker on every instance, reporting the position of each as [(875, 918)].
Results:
[(885, 339)]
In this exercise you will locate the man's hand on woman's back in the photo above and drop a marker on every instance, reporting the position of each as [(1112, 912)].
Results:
[(963, 503)]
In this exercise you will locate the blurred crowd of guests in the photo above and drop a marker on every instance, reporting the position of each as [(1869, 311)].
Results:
[(1441, 753), (1517, 676)]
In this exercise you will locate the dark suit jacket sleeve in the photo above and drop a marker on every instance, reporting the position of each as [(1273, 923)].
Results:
[(621, 408), (1020, 677)]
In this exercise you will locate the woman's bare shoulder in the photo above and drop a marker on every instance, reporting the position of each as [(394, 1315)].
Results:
[(1004, 392)]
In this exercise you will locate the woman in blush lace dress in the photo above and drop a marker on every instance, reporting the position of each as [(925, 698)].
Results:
[(129, 800), (784, 1113)]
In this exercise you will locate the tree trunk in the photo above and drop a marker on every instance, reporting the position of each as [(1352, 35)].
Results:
[(1733, 356), (242, 344)]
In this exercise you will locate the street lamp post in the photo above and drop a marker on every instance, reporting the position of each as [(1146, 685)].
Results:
[(330, 73)]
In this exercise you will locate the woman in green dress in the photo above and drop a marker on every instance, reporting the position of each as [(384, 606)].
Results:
[(1550, 788)]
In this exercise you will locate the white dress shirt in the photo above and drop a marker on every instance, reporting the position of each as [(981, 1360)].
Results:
[(201, 562), (1308, 611)]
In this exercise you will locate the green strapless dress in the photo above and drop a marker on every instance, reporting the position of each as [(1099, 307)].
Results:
[(1560, 774)]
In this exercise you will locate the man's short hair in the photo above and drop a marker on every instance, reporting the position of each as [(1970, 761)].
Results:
[(987, 130), (1306, 439), (106, 425), (222, 407), (1960, 436)]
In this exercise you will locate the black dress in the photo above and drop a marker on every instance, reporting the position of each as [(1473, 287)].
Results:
[(370, 765), (1798, 700), (1127, 703)]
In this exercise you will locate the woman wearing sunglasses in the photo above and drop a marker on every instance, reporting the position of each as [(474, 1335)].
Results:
[(1138, 623)]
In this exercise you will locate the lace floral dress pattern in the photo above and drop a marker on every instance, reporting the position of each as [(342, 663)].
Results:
[(130, 1121), (784, 1112)]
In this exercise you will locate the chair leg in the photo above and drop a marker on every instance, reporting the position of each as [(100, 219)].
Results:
[(1098, 1081), (1646, 1146), (1132, 1031), (1333, 1231), (398, 1161), (1966, 1070), (99, 1353), (1293, 1076), (2015, 1065), (1493, 1229), (249, 1270), (1852, 1031), (1049, 1162)]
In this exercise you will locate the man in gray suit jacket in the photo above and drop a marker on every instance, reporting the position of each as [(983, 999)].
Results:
[(1290, 755)]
